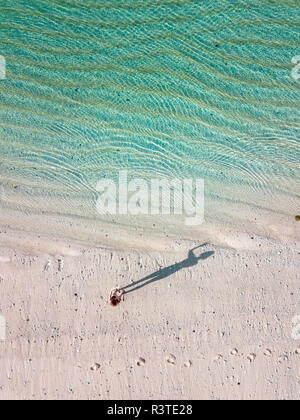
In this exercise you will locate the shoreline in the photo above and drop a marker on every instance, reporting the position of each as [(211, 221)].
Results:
[(238, 229), (230, 211)]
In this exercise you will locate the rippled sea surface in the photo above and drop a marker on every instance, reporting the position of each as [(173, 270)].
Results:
[(185, 89)]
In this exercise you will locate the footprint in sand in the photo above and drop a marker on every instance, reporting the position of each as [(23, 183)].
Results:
[(171, 359), (95, 367), (188, 364), (283, 358), (267, 353), (60, 263), (141, 362), (218, 358), (234, 352), (251, 357), (297, 351), (47, 265)]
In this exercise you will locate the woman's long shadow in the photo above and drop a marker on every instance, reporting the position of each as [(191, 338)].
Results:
[(163, 273)]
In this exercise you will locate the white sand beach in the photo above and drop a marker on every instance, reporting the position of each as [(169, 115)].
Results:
[(149, 147), (221, 329)]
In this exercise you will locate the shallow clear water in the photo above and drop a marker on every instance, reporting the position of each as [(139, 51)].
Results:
[(199, 89)]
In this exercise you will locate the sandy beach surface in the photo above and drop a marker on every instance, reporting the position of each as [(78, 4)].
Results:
[(133, 132), (225, 328)]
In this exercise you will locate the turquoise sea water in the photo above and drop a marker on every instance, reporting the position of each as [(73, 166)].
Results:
[(170, 88)]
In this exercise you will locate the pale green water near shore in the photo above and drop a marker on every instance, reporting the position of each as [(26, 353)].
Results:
[(186, 89)]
